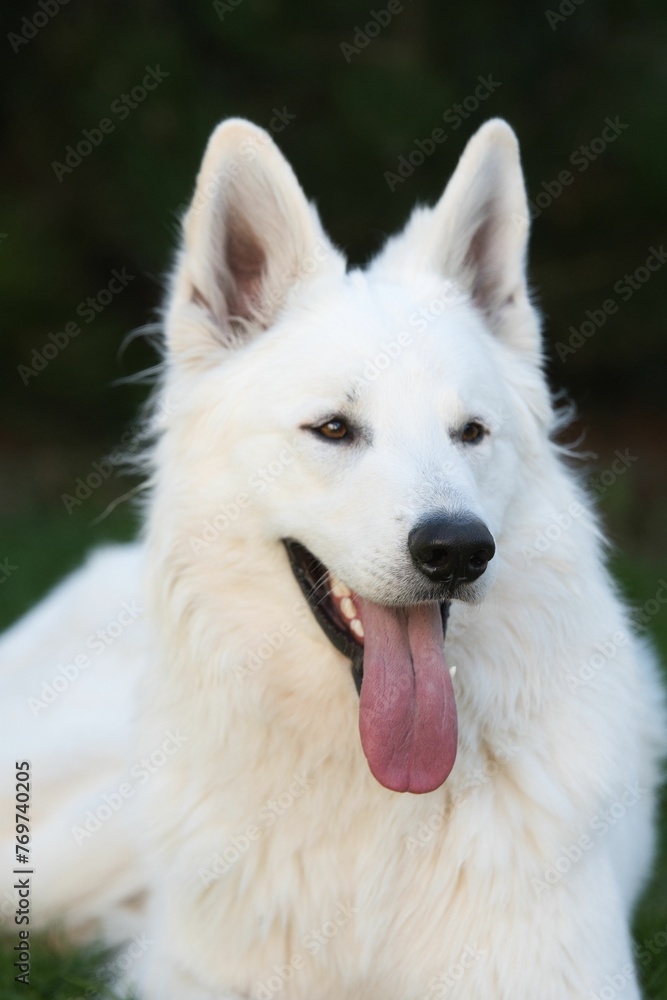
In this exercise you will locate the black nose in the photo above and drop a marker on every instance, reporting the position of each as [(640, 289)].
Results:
[(451, 550)]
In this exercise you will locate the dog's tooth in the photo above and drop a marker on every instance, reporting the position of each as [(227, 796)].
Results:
[(452, 671), (348, 608), (339, 589), (357, 628)]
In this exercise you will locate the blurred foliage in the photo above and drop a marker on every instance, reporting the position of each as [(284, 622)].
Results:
[(57, 972), (356, 111)]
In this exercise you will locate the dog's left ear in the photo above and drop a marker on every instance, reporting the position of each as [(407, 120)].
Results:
[(477, 236), (250, 238)]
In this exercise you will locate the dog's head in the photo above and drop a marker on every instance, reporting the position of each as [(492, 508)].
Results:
[(373, 426)]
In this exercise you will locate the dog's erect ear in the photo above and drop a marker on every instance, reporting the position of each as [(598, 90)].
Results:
[(477, 235), (250, 238)]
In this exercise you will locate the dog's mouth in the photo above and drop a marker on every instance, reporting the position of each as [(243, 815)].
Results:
[(407, 714), (333, 605)]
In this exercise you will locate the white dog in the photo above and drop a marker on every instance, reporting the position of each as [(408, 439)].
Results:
[(247, 746)]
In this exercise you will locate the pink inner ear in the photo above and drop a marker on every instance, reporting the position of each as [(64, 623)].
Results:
[(482, 263), (246, 265)]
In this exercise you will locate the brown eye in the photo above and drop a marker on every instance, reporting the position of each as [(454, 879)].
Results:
[(472, 433), (334, 430)]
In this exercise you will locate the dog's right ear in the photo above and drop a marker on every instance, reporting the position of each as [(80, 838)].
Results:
[(250, 238), (476, 236)]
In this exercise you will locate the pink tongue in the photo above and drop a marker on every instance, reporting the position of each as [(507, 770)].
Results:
[(407, 715)]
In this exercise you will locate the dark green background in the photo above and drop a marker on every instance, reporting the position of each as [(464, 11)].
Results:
[(353, 119), (352, 122)]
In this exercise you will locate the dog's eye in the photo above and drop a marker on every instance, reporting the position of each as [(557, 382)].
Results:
[(472, 433), (334, 430)]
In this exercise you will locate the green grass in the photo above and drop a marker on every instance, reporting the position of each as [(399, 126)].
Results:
[(640, 580), (58, 973), (43, 542)]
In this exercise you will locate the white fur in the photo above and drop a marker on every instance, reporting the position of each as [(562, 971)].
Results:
[(420, 896)]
